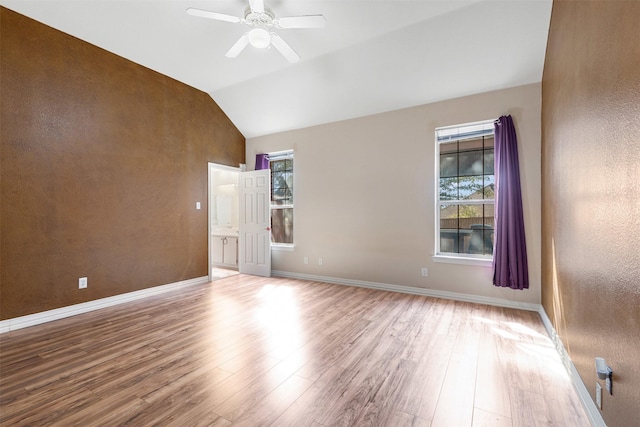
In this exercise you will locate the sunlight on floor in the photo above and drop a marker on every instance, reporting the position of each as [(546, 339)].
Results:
[(531, 342), (278, 313)]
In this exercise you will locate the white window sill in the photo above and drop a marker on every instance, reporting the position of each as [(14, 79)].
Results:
[(281, 247), (452, 259)]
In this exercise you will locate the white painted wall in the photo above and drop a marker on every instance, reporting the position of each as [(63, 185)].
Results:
[(364, 194)]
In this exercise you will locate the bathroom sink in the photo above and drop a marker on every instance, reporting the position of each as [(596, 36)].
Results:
[(225, 231)]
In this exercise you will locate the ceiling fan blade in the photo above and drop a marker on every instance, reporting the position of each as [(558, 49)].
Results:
[(257, 6), (284, 48), (238, 46), (213, 15), (307, 21)]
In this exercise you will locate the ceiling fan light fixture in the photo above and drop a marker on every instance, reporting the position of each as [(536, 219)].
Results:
[(259, 38)]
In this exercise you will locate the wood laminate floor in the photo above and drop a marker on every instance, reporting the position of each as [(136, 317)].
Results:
[(248, 351)]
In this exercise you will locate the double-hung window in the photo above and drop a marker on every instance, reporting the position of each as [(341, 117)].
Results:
[(281, 164), (465, 191)]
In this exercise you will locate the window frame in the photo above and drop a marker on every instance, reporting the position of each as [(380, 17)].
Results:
[(276, 156), (449, 134)]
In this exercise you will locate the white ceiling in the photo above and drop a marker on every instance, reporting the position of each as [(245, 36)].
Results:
[(373, 56)]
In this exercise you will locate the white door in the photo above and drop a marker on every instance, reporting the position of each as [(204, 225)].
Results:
[(255, 223)]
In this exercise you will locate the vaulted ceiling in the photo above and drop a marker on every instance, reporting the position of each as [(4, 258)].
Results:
[(373, 55)]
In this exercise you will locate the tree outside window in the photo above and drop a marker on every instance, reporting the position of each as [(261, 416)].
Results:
[(466, 186), (281, 165)]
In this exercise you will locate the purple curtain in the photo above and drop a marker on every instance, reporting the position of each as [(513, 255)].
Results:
[(510, 267), (262, 161)]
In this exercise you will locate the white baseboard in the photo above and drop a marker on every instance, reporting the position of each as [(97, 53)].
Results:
[(595, 417), (411, 290), (72, 310)]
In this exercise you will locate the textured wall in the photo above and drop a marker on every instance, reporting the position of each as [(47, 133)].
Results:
[(102, 161), (364, 194), (591, 193)]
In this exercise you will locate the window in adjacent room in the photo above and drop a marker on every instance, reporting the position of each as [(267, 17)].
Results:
[(465, 191), (281, 164)]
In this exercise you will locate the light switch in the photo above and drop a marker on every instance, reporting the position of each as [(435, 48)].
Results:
[(197, 205)]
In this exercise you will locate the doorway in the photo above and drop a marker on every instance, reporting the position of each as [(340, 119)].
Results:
[(223, 220)]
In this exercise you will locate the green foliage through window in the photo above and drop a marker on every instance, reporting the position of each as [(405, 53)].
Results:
[(466, 190), (282, 198)]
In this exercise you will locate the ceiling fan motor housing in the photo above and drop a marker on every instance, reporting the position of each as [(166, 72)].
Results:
[(259, 20)]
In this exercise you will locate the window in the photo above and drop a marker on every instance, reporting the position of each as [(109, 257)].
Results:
[(281, 164), (465, 193)]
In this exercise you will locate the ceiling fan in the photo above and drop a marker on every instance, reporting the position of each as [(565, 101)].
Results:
[(262, 22)]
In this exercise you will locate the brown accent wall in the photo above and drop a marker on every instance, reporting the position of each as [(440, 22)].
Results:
[(102, 162), (591, 193)]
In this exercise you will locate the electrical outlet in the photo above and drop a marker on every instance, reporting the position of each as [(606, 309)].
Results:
[(425, 272), (319, 261), (306, 260), (599, 395), (82, 283)]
